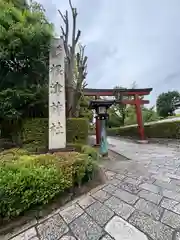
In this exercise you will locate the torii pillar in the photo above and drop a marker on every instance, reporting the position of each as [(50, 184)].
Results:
[(139, 118)]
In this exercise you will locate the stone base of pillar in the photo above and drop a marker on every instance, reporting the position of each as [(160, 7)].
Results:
[(66, 149), (142, 141), (96, 145), (104, 155)]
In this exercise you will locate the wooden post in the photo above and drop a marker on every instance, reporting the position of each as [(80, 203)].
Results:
[(139, 118)]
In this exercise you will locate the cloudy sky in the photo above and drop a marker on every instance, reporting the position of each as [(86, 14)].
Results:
[(127, 41)]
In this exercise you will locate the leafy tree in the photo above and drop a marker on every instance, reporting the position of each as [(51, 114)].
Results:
[(165, 103), (114, 119), (120, 109), (24, 45), (84, 110), (20, 4), (79, 80), (130, 115), (149, 114)]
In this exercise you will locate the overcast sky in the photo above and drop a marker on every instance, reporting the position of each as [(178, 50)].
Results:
[(127, 41)]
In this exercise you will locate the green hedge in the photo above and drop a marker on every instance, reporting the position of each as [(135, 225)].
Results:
[(157, 130), (77, 130), (90, 151), (30, 180), (35, 134)]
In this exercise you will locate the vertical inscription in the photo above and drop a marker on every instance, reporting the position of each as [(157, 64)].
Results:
[(57, 117)]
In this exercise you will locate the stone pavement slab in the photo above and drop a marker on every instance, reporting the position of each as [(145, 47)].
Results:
[(149, 208), (171, 219), (121, 230), (150, 196), (140, 200), (119, 207), (85, 228), (101, 195), (154, 229), (70, 213), (29, 234), (107, 237), (125, 196), (100, 213), (52, 229)]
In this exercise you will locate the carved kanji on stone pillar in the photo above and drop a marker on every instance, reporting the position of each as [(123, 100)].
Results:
[(57, 117)]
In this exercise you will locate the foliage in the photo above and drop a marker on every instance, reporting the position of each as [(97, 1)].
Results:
[(113, 131), (80, 76), (35, 134), (90, 151), (121, 114), (15, 152), (155, 130), (77, 147), (86, 149), (24, 38), (148, 114), (165, 103), (77, 130), (114, 119), (120, 109), (130, 115), (36, 179), (84, 111)]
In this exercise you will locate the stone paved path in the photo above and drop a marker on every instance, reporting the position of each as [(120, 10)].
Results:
[(140, 201)]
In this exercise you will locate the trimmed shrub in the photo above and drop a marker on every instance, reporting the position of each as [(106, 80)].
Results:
[(76, 146), (12, 154), (156, 130), (36, 179), (113, 131), (15, 152), (77, 130), (163, 130), (90, 151), (35, 134), (11, 131)]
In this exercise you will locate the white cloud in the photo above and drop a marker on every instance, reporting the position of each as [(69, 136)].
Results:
[(128, 40)]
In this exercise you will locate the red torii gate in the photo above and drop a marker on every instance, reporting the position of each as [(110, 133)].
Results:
[(137, 101)]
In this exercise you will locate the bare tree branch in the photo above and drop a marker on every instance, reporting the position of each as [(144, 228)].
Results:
[(70, 3), (77, 36), (67, 28), (62, 16), (63, 32)]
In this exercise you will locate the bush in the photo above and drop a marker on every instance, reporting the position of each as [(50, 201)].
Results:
[(156, 130), (90, 151), (113, 131), (77, 130), (75, 146), (15, 152), (35, 134), (12, 154), (11, 131), (32, 180), (163, 130)]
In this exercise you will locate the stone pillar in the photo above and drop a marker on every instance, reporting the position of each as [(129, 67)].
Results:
[(57, 115)]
